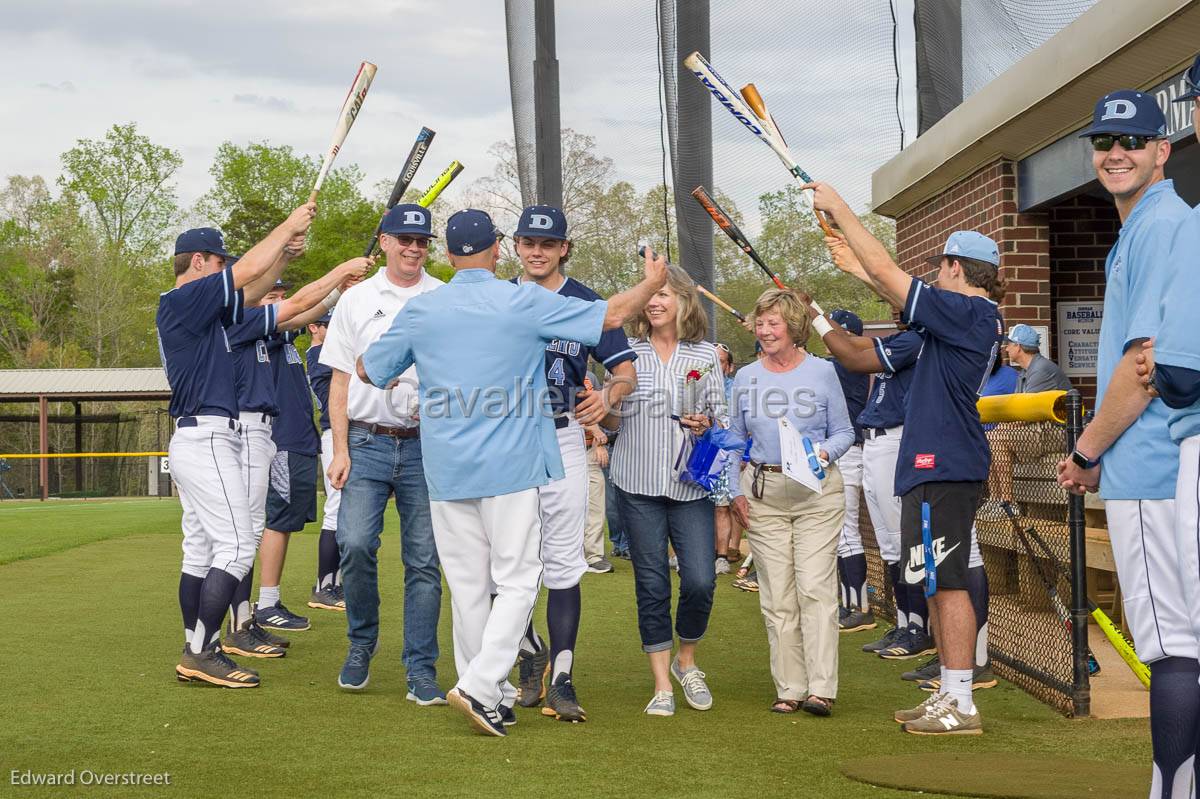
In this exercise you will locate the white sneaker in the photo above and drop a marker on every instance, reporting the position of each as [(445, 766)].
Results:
[(722, 566)]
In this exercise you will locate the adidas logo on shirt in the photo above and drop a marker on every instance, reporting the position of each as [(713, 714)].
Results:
[(377, 314)]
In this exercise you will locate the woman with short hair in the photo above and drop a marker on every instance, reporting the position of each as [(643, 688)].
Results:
[(793, 530)]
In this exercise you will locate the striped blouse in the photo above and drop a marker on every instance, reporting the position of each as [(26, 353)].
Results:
[(643, 459)]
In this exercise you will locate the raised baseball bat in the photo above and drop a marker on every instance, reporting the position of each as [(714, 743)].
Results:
[(1114, 635), (443, 180), (740, 316), (350, 108), (415, 156), (756, 119), (726, 224)]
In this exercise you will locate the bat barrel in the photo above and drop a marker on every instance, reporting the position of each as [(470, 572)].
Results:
[(1081, 692)]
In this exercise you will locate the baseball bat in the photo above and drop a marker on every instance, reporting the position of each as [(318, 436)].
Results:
[(726, 224), (740, 317), (1114, 635), (443, 180), (757, 120), (415, 156), (350, 108)]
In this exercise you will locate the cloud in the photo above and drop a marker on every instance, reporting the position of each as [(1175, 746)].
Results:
[(269, 103), (61, 86)]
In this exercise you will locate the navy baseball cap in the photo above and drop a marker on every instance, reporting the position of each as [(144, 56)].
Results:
[(1127, 111), (848, 320), (326, 319), (469, 231), (1192, 81), (408, 219), (969, 244), (1024, 335), (201, 239), (542, 222), (281, 284)]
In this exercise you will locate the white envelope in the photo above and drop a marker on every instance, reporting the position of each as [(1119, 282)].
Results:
[(793, 457)]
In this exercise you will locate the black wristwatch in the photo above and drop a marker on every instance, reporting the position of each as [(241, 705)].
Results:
[(1083, 461)]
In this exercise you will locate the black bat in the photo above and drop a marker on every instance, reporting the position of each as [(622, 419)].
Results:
[(727, 224), (415, 156)]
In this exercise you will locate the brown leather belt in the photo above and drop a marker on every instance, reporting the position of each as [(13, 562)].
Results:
[(767, 467), (384, 430)]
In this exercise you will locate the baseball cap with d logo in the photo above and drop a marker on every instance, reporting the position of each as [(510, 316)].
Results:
[(407, 219), (1127, 112), (542, 222)]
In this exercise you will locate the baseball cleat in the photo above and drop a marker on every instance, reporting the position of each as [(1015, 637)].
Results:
[(488, 722), (507, 716), (600, 566), (983, 678), (280, 618), (943, 718), (355, 672), (215, 668), (532, 669), (561, 702), (425, 692), (266, 636), (910, 645), (889, 638), (857, 620), (327, 598), (243, 642), (929, 670)]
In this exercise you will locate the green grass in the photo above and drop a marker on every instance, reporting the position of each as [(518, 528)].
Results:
[(91, 628)]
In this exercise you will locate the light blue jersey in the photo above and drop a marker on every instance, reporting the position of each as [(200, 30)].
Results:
[(479, 345), (1178, 343), (1143, 462)]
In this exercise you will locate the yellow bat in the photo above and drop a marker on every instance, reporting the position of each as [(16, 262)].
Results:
[(443, 180)]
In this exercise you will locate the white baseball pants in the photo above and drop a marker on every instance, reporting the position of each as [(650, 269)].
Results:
[(333, 496), (879, 485), (564, 505)]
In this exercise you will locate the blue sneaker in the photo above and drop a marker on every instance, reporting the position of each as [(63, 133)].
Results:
[(425, 692), (279, 617), (354, 676)]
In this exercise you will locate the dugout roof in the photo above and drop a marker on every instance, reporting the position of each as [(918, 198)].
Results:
[(1045, 98), (94, 385)]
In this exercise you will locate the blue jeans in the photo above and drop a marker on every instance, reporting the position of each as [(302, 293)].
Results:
[(380, 466), (612, 514), (688, 525)]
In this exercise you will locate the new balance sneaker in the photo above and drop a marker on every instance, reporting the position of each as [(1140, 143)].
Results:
[(983, 678), (327, 598), (484, 720), (722, 566), (425, 692), (856, 620), (889, 639), (909, 645), (507, 716), (355, 672), (531, 670), (280, 618), (695, 689), (266, 636), (215, 668), (561, 702), (600, 566), (914, 713), (943, 718), (663, 704), (929, 670), (243, 642)]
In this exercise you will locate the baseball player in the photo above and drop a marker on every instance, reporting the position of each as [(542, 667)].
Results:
[(943, 457), (482, 337), (542, 244), (251, 348), (205, 447), (855, 611), (1127, 449), (327, 592)]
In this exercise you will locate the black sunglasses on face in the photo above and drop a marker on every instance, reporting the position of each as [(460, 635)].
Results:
[(408, 241), (1104, 142)]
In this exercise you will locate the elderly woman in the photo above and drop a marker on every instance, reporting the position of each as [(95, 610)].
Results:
[(793, 530), (679, 391)]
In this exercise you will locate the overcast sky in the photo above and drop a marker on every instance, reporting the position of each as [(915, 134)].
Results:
[(193, 74)]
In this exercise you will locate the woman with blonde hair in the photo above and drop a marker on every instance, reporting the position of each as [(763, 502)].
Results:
[(793, 530), (679, 391)]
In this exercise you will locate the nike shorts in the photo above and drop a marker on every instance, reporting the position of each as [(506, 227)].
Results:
[(952, 507), (292, 492)]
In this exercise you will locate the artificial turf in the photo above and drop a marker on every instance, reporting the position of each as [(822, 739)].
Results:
[(92, 632)]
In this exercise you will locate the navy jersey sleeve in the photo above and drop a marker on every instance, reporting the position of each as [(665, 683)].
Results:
[(613, 349), (198, 303), (899, 351), (948, 316), (256, 323), (319, 375)]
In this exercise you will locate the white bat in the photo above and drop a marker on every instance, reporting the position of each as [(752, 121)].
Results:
[(349, 112)]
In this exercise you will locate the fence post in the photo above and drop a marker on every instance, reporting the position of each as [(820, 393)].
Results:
[(1081, 692)]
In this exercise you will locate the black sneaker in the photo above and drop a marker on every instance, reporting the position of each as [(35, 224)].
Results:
[(857, 620), (507, 716), (486, 721), (929, 670), (889, 638), (982, 678), (327, 598), (909, 645), (280, 618), (243, 642), (531, 669), (561, 702), (215, 668), (266, 636)]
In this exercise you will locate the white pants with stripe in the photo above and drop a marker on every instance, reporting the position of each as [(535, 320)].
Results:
[(333, 496), (489, 545), (206, 467), (258, 450), (879, 486), (1187, 530), (1149, 566), (851, 466), (564, 505)]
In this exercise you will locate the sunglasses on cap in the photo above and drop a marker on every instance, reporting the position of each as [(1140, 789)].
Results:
[(1128, 141)]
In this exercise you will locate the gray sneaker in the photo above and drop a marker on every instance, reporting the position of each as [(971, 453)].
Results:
[(944, 718), (243, 642), (695, 690), (214, 667), (721, 566), (856, 620), (327, 598), (663, 704), (600, 566), (914, 713), (532, 668)]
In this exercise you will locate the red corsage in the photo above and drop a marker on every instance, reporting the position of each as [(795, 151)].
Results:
[(693, 376)]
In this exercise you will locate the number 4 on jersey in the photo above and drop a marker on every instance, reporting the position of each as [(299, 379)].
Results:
[(557, 374)]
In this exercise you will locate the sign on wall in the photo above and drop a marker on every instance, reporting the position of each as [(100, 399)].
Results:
[(1079, 337)]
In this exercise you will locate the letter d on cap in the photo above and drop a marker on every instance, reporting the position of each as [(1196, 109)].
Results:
[(414, 218), (1119, 109), (540, 222)]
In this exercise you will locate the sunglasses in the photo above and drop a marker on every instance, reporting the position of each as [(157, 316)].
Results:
[(408, 241), (1104, 142)]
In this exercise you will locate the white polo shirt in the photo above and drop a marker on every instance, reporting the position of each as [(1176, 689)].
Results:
[(363, 314)]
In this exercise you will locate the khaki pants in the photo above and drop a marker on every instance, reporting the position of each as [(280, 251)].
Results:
[(793, 536), (593, 530)]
